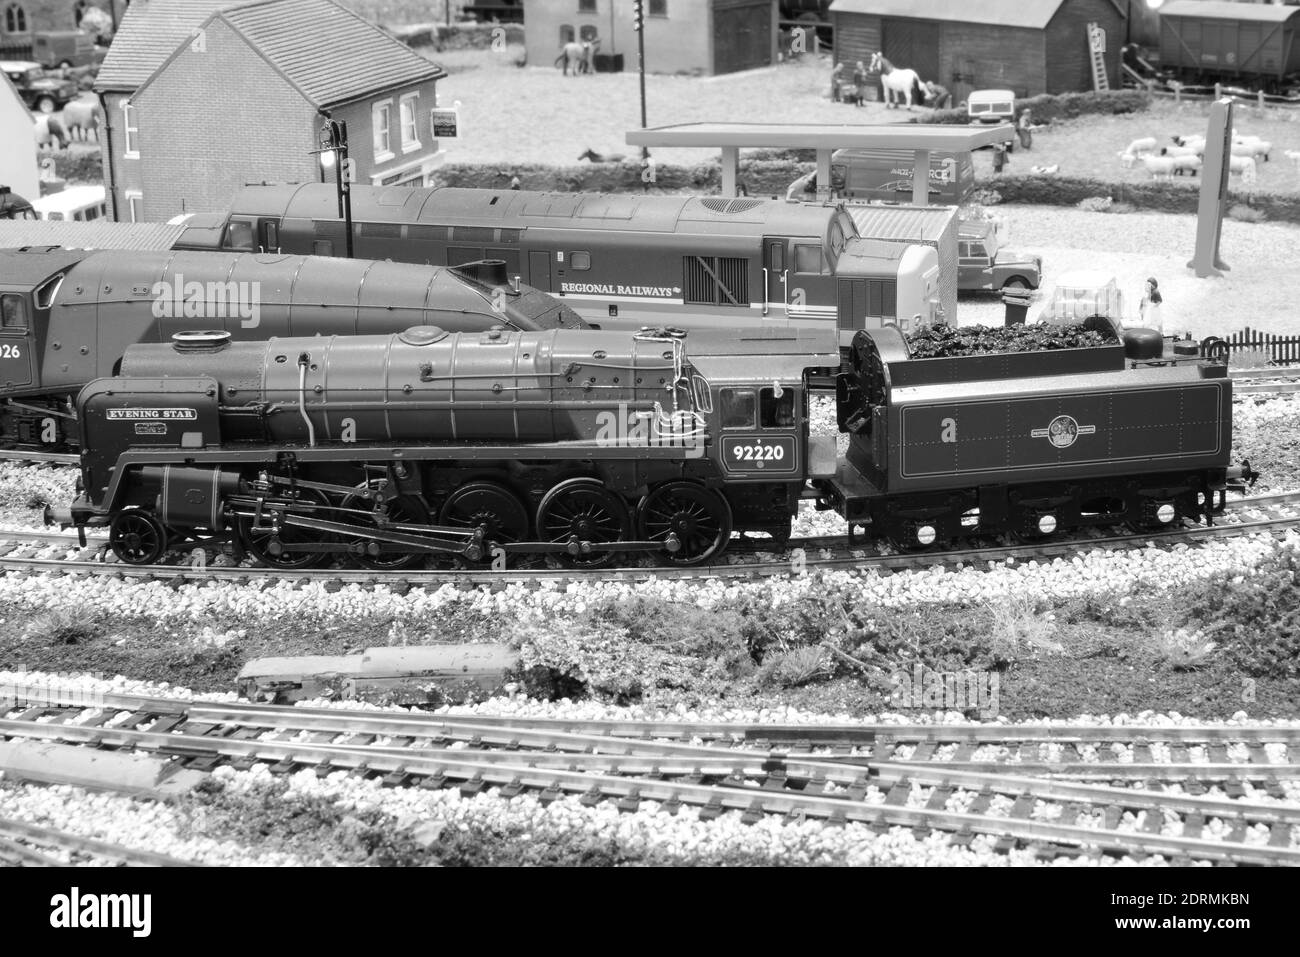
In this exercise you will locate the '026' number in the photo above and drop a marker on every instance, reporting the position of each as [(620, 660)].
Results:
[(755, 453), (10, 352)]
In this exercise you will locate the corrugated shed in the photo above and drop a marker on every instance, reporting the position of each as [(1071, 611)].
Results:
[(331, 54), (1034, 14), (149, 34), (101, 234)]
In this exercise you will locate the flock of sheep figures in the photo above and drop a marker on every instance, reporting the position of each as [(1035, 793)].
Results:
[(1185, 156)]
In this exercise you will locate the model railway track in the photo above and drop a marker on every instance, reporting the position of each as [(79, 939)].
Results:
[(39, 458), (1055, 817), (31, 845), (818, 554)]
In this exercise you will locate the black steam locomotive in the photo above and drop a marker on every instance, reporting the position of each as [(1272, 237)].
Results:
[(67, 315), (584, 444)]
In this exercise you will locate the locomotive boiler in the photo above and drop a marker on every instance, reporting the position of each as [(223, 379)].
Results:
[(69, 314)]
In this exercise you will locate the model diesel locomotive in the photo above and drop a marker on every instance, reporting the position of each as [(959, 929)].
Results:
[(622, 261), (386, 450), (69, 314)]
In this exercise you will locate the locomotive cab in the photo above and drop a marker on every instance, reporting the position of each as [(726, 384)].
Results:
[(16, 339)]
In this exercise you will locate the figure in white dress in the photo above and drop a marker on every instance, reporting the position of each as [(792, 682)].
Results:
[(1151, 308)]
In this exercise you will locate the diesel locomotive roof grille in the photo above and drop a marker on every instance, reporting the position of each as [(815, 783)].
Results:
[(718, 205)]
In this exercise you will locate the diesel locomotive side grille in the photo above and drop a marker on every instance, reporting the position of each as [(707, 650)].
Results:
[(716, 280)]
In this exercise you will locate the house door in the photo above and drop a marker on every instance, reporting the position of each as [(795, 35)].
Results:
[(776, 278), (539, 269)]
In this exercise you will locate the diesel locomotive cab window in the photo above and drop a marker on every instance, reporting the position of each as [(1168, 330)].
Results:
[(809, 259), (776, 412), (239, 236), (580, 261), (13, 312), (737, 408)]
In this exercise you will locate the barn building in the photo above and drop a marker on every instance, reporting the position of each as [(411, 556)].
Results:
[(1027, 46), (173, 145), (681, 36), (19, 19)]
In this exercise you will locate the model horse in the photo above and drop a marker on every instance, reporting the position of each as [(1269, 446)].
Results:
[(579, 54), (905, 83)]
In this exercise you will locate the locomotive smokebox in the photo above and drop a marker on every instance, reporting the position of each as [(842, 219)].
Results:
[(489, 272)]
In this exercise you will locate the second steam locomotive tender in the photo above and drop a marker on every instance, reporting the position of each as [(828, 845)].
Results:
[(584, 444)]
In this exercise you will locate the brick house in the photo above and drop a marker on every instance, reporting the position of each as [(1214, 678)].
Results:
[(174, 144), (681, 36), (19, 19), (1027, 46)]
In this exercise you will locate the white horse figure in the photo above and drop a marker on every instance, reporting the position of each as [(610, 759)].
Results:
[(902, 82)]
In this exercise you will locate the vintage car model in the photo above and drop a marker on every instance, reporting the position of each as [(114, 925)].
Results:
[(39, 90), (982, 265)]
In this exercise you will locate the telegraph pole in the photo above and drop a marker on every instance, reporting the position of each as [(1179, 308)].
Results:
[(638, 24)]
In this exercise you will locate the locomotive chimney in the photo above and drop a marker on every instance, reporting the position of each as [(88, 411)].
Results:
[(489, 272), (208, 340)]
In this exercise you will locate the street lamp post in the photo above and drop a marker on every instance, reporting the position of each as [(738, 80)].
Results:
[(638, 24), (334, 152)]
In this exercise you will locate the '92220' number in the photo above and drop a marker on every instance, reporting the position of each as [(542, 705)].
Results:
[(10, 352), (758, 453)]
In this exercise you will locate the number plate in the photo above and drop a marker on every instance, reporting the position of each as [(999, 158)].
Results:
[(759, 453)]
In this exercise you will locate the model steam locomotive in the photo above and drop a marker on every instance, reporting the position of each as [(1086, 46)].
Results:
[(585, 444), (622, 261), (69, 314)]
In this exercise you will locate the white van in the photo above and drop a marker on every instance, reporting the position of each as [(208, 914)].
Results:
[(79, 204), (991, 106)]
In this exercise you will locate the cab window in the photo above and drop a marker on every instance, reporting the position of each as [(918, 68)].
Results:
[(736, 408), (776, 412), (809, 259), (239, 236), (13, 312)]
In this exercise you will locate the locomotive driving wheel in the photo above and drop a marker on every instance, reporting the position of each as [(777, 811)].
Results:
[(583, 510), (403, 510), (136, 537), (489, 506), (696, 519), (266, 543)]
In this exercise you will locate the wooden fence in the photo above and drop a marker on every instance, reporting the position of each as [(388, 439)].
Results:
[(1280, 348)]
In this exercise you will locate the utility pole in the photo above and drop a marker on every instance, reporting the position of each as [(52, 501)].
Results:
[(638, 24)]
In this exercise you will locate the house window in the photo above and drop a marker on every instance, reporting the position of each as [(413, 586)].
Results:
[(382, 115), (586, 6), (410, 135), (567, 34), (131, 130), (588, 32), (658, 8), (15, 19), (135, 205)]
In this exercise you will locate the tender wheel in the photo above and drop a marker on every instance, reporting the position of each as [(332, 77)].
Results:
[(137, 538), (261, 543), (489, 506), (584, 509), (698, 518), (403, 510)]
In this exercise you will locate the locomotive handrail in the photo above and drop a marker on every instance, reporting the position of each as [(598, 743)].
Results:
[(303, 360)]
